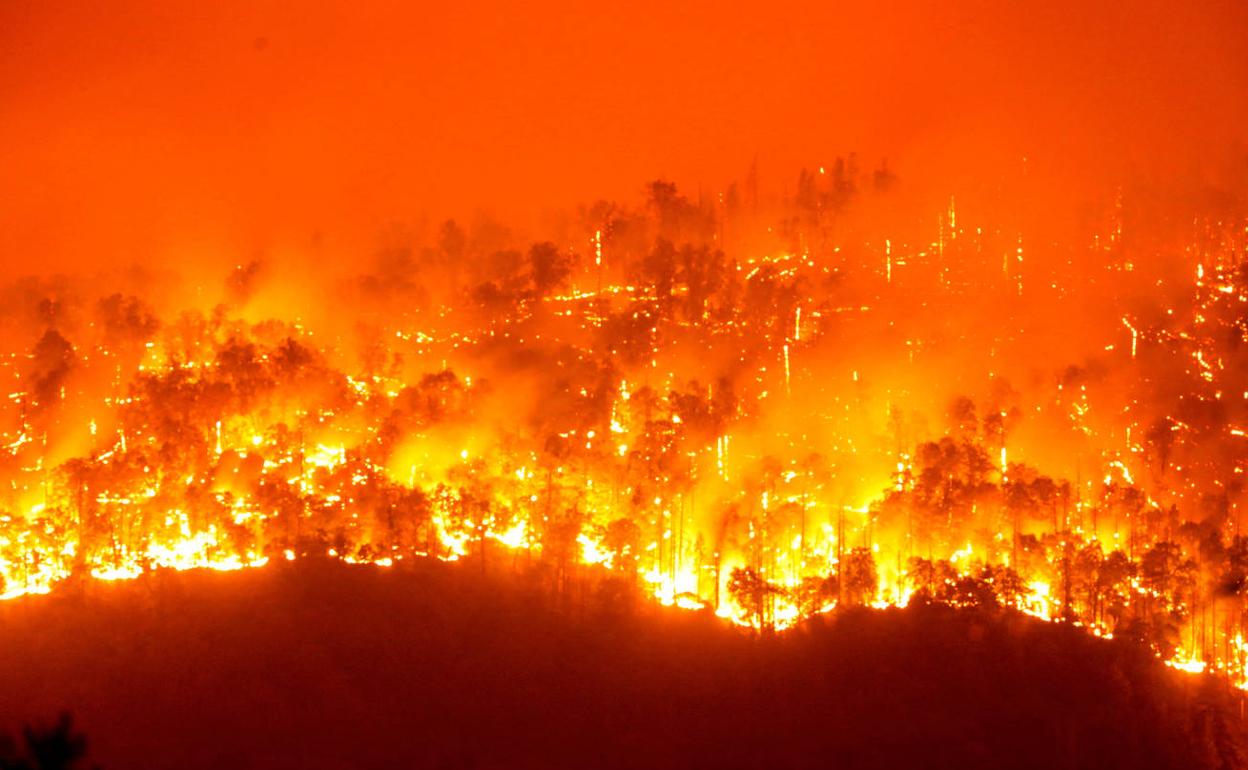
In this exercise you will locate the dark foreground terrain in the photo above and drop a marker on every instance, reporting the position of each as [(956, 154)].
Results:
[(329, 666)]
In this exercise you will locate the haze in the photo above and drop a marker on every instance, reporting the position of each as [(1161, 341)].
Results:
[(167, 133)]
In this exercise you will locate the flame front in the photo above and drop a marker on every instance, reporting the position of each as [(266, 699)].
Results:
[(752, 438)]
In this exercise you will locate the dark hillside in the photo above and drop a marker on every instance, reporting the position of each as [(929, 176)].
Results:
[(329, 666)]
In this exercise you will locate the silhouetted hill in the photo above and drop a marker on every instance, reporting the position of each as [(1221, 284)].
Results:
[(329, 666)]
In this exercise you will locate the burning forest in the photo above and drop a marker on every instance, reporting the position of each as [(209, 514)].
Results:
[(936, 361), (764, 432)]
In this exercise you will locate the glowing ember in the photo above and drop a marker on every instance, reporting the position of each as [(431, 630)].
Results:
[(755, 437)]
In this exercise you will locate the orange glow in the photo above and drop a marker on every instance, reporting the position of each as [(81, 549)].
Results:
[(967, 331)]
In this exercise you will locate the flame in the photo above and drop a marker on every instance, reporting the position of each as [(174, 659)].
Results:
[(793, 477)]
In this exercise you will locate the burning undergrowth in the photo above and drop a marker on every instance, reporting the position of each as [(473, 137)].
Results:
[(768, 409)]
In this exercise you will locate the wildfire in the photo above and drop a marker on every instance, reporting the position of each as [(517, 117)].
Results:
[(597, 432)]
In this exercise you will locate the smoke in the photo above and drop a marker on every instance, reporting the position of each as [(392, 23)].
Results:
[(194, 141)]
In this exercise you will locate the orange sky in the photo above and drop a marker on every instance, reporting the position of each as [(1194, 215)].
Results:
[(158, 131)]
